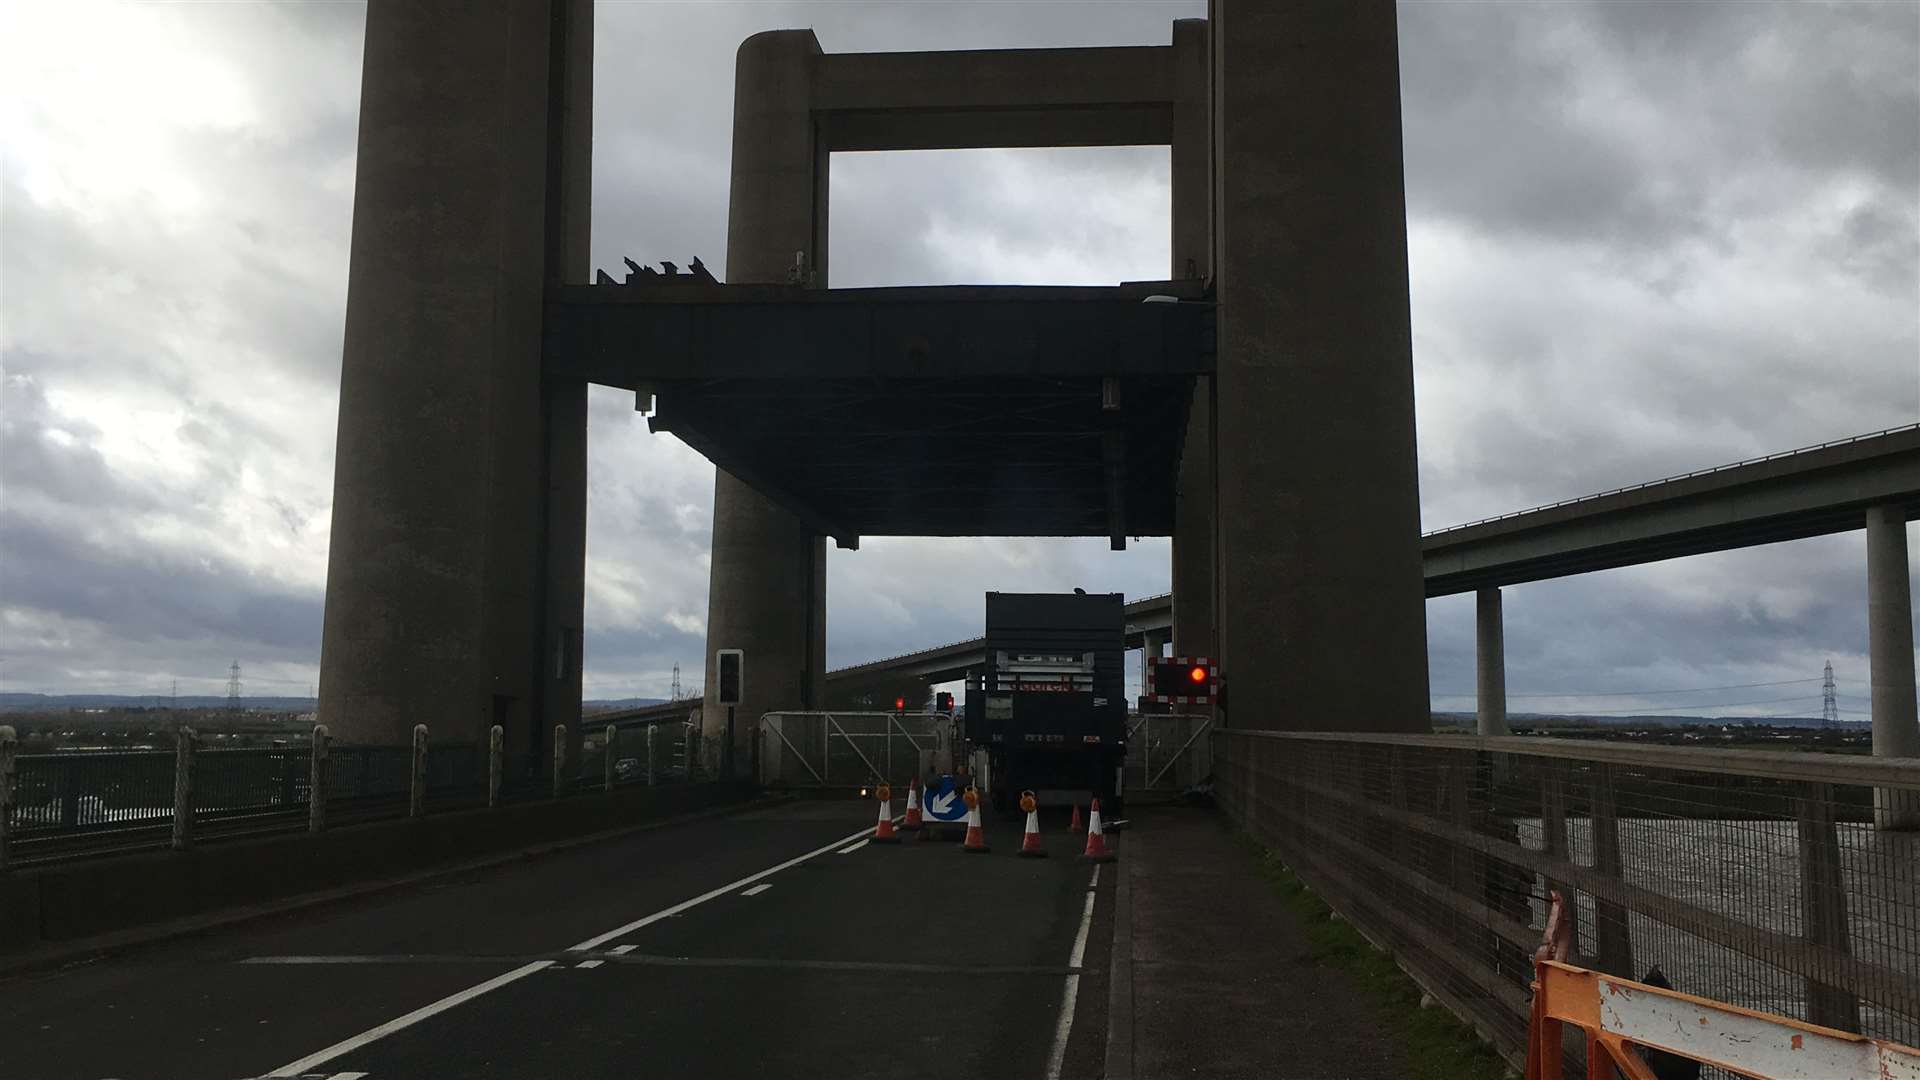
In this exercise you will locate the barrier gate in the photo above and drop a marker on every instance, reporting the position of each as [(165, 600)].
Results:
[(849, 749), (1167, 751)]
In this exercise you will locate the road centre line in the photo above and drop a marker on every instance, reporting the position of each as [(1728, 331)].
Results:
[(625, 959), (757, 889), (374, 1034), (1071, 995), (851, 848)]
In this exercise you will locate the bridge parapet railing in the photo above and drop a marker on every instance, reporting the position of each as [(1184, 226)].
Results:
[(848, 749), (1757, 878)]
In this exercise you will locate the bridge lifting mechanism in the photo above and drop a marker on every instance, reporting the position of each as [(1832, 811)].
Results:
[(1650, 1032)]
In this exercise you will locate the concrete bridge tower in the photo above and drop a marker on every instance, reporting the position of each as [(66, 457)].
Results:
[(454, 580)]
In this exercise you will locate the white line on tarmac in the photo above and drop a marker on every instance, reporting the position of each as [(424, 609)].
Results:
[(371, 1034), (347, 1076), (668, 913), (851, 848), (1071, 994), (589, 963), (376, 1033), (622, 950), (757, 889)]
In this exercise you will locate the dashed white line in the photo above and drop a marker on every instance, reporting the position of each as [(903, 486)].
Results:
[(757, 889), (347, 1076), (376, 1033), (1071, 994), (851, 848), (622, 950), (589, 963)]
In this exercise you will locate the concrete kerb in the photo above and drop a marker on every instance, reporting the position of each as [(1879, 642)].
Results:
[(1119, 1056), (67, 953)]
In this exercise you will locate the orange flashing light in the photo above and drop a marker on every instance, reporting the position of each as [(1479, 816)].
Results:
[(1197, 674)]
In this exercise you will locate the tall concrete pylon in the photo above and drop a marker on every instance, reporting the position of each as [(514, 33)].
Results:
[(1192, 250), (768, 585), (1318, 579), (454, 579)]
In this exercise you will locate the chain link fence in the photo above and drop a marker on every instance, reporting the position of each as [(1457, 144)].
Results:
[(1756, 878)]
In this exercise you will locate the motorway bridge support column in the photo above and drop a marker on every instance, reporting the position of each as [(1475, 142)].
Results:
[(454, 571), (1321, 607), (1896, 728), (767, 592), (1192, 160), (1490, 654)]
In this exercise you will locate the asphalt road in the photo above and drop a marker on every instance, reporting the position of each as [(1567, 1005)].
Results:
[(763, 944)]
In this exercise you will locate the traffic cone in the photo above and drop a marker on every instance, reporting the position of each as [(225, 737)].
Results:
[(1096, 837), (883, 831), (1077, 826), (1030, 843), (976, 836), (912, 824)]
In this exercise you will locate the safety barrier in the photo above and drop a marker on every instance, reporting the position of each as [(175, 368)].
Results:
[(1636, 1028), (1168, 751), (1752, 877), (847, 749)]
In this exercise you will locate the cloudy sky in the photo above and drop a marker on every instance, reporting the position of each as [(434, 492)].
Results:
[(1644, 238)]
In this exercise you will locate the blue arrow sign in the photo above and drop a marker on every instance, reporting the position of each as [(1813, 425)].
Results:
[(944, 803)]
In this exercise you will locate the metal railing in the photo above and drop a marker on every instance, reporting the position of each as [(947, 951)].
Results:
[(76, 803), (847, 749), (1756, 878)]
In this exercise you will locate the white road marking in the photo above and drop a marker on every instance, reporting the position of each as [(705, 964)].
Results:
[(851, 848), (1071, 994), (375, 1033), (667, 913), (757, 889), (589, 963), (347, 1076), (622, 950)]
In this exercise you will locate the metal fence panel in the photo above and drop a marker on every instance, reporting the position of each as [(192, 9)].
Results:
[(847, 749), (1748, 877), (1167, 751)]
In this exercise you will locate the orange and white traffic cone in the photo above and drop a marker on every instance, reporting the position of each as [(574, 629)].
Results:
[(1096, 837), (912, 824), (1077, 826), (1030, 843), (976, 836), (883, 831)]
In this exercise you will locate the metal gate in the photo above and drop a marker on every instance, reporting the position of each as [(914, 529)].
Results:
[(848, 749), (1167, 752)]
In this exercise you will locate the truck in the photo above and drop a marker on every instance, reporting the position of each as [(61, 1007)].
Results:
[(1049, 709)]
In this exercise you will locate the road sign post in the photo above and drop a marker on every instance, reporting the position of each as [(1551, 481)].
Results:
[(731, 664)]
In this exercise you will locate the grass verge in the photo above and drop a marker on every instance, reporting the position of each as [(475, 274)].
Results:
[(1438, 1045)]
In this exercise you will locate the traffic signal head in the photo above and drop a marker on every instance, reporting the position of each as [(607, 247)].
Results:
[(1197, 674), (943, 702), (899, 704)]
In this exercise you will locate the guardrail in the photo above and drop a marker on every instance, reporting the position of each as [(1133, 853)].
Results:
[(1756, 878), (79, 803)]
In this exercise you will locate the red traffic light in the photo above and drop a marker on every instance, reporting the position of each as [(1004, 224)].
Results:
[(899, 704), (1197, 674)]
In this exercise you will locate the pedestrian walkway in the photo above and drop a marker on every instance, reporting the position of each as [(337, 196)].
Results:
[(1214, 977)]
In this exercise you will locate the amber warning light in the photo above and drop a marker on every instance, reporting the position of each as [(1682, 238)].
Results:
[(1197, 674), (1182, 680)]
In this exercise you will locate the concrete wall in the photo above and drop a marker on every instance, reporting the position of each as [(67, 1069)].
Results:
[(102, 896), (1321, 616), (470, 195)]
